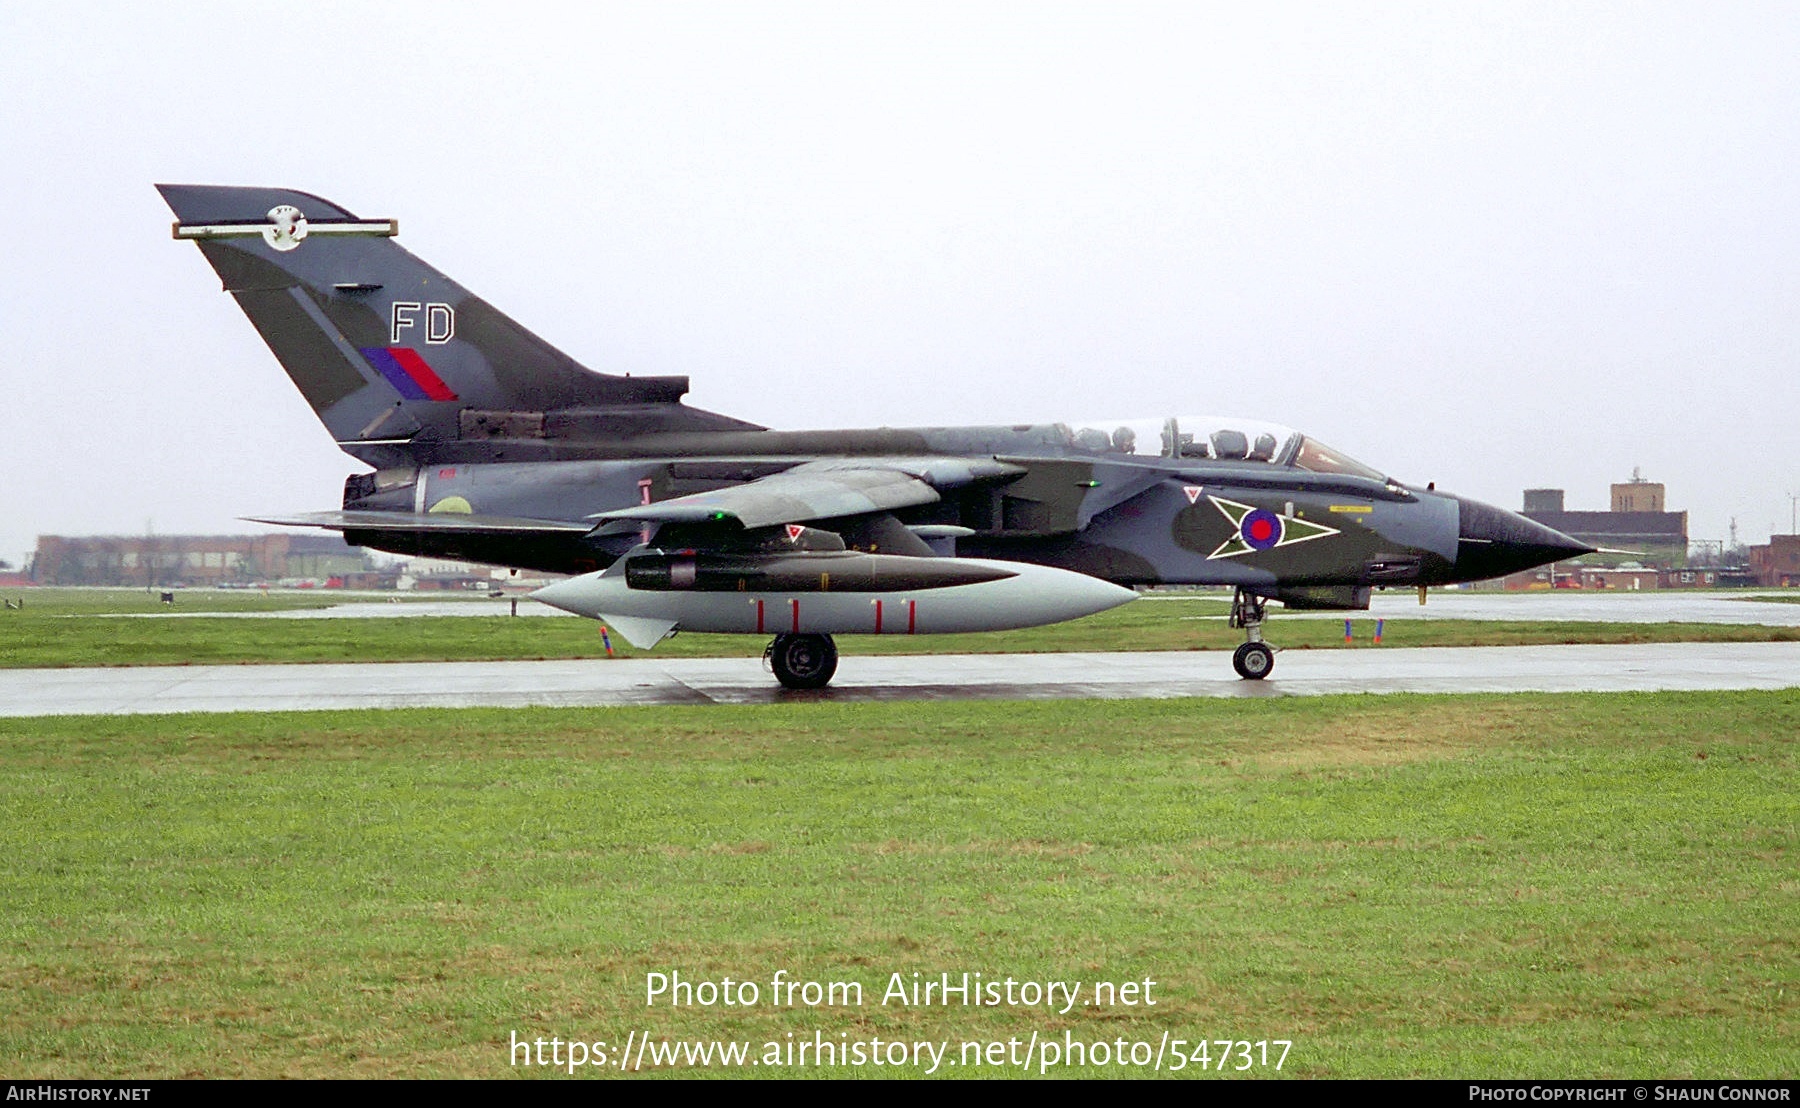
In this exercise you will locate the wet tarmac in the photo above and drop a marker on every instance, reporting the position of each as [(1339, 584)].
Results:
[(163, 689), (1610, 606), (1655, 606)]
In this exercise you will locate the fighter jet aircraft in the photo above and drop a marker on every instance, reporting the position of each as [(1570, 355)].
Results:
[(489, 445)]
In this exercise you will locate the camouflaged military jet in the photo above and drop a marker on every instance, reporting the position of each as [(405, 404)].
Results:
[(489, 445)]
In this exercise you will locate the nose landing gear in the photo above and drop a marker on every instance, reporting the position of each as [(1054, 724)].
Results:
[(1254, 659), (803, 661)]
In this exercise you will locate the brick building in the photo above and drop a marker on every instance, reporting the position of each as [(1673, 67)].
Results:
[(151, 561), (1636, 522), (1777, 563)]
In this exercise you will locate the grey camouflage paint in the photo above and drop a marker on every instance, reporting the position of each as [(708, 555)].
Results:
[(532, 437)]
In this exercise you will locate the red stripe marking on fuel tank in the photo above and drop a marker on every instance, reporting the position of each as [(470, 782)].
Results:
[(912, 616), (759, 617), (878, 617), (796, 606)]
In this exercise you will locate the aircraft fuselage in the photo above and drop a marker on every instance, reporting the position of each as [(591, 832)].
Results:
[(1278, 530)]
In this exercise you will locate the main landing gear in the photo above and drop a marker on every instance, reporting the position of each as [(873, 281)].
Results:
[(803, 661), (1253, 660)]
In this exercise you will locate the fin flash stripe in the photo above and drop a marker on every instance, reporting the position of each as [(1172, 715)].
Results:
[(408, 373)]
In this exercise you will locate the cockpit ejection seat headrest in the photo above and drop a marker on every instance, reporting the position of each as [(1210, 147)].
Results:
[(1230, 444), (1264, 449), (1090, 439)]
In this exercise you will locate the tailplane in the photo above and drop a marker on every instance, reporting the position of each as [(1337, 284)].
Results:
[(402, 364)]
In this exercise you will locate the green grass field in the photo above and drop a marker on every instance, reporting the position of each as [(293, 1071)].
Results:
[(1583, 885), (46, 635), (86, 601)]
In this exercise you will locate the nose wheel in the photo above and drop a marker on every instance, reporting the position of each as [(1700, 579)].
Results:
[(1255, 659), (803, 661)]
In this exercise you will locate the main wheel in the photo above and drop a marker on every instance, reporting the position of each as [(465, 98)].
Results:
[(803, 661), (1253, 661)]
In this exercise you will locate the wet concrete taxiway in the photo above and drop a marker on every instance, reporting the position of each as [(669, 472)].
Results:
[(161, 689), (1617, 606)]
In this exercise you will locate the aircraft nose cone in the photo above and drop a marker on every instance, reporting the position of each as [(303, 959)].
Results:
[(1493, 542)]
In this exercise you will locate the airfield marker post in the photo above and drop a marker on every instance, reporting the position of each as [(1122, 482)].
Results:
[(1348, 637), (1378, 624), (606, 640)]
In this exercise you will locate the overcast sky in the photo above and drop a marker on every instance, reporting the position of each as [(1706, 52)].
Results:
[(1493, 246)]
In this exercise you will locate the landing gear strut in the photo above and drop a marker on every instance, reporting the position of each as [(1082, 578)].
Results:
[(803, 661), (1253, 660)]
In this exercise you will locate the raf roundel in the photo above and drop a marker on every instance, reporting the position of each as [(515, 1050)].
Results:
[(1257, 529), (1261, 529)]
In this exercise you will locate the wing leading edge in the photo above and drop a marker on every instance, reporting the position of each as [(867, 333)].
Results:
[(818, 490), (427, 522)]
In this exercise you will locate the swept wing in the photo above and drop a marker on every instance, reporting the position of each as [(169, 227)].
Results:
[(428, 522), (833, 489)]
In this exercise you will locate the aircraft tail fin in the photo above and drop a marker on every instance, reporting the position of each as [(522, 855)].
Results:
[(399, 361)]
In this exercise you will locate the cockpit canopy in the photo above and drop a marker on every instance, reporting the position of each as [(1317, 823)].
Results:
[(1213, 437)]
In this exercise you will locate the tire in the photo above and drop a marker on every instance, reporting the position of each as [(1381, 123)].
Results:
[(803, 661), (1253, 661)]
